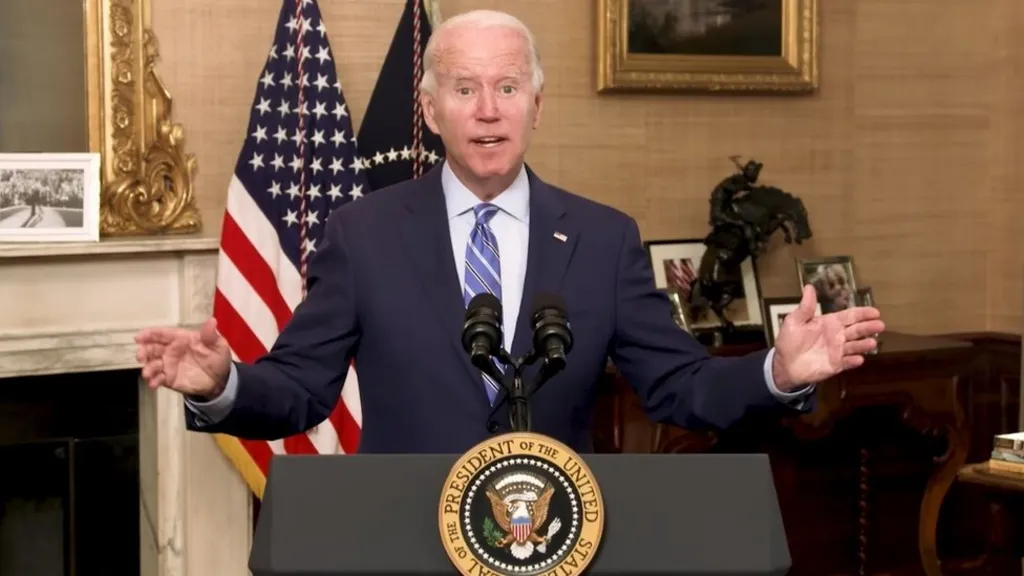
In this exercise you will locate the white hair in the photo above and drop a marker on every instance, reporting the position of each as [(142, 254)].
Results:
[(480, 19)]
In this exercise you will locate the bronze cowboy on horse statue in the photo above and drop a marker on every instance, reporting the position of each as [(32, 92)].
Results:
[(743, 219)]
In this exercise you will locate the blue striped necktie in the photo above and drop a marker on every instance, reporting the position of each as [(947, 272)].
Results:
[(483, 270)]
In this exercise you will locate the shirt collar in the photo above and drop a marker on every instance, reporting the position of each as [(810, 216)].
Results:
[(515, 200)]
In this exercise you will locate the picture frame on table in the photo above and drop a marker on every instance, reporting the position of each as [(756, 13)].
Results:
[(50, 197), (834, 280), (866, 297), (675, 263), (775, 311), (680, 310)]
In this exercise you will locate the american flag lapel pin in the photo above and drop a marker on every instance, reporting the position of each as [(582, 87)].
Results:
[(561, 237)]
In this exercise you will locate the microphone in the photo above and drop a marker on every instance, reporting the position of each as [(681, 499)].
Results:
[(552, 342), (552, 337), (482, 334)]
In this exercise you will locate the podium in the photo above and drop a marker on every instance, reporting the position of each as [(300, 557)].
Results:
[(701, 514)]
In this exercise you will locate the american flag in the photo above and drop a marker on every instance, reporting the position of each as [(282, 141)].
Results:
[(297, 164), (680, 275)]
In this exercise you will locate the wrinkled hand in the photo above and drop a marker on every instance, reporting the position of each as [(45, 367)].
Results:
[(810, 349), (196, 363)]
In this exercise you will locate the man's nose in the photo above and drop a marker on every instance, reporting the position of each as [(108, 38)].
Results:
[(487, 107)]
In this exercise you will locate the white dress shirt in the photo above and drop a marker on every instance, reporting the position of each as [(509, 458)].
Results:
[(511, 227)]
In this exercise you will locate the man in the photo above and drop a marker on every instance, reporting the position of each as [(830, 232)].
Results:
[(390, 286)]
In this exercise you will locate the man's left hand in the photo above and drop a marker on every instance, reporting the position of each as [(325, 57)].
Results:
[(810, 349)]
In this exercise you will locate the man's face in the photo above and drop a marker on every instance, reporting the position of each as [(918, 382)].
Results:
[(484, 106)]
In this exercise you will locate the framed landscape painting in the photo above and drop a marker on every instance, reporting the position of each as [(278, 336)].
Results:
[(707, 45)]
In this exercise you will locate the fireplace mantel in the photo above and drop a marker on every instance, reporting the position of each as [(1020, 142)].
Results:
[(75, 307)]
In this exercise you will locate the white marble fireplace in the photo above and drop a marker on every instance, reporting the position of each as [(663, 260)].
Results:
[(74, 308)]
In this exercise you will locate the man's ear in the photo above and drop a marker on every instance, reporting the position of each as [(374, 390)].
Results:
[(427, 104), (538, 103)]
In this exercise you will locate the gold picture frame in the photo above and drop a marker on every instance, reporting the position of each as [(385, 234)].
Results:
[(147, 177), (792, 68)]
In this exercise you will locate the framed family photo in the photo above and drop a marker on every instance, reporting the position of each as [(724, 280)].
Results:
[(707, 45), (833, 279), (49, 197), (776, 310), (676, 263)]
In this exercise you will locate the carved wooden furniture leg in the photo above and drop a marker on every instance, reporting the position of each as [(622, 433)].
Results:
[(657, 438), (863, 488), (938, 485), (1003, 491)]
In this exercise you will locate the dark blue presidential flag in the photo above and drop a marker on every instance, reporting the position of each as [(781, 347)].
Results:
[(394, 142)]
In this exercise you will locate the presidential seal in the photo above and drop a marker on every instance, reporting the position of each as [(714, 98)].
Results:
[(521, 504)]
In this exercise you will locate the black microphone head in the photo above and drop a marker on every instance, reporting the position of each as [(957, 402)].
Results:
[(552, 336), (483, 301), (547, 301), (481, 333)]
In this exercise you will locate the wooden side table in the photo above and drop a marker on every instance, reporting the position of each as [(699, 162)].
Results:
[(918, 381), (1005, 492)]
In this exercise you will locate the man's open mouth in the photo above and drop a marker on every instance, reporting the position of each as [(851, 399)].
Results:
[(489, 141)]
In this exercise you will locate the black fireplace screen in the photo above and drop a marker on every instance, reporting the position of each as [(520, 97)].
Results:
[(69, 475)]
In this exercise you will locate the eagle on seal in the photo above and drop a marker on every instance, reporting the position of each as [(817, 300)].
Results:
[(519, 503)]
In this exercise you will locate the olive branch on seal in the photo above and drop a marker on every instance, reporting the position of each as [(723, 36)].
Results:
[(491, 532)]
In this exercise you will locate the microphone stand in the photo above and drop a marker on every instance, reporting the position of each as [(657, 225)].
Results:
[(547, 372), (482, 355), (518, 396), (518, 393)]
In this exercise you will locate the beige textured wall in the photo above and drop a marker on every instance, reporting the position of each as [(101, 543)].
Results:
[(906, 158)]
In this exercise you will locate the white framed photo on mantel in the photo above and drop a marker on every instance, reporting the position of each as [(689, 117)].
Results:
[(50, 197)]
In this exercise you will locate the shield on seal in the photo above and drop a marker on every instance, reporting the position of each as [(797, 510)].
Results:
[(522, 526)]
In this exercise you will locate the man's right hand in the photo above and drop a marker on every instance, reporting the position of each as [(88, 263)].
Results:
[(195, 363)]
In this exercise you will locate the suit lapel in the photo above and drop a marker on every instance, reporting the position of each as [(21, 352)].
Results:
[(552, 240), (427, 238)]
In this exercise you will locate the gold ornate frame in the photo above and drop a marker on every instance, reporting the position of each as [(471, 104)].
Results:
[(147, 178), (795, 71)]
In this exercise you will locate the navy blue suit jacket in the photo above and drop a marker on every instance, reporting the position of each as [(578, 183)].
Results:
[(383, 290)]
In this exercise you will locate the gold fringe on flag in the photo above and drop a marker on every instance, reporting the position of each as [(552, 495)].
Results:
[(243, 462)]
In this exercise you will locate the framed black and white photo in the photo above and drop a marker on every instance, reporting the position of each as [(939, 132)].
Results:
[(676, 264), (49, 197), (833, 279), (776, 310)]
